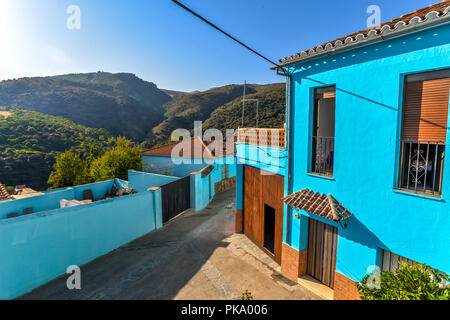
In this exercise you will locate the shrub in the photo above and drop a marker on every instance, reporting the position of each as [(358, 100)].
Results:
[(409, 282)]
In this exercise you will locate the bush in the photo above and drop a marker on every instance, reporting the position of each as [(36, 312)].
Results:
[(409, 282)]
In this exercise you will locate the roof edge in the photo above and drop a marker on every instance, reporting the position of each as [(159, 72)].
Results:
[(401, 28)]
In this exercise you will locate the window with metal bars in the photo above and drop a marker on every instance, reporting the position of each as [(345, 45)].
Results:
[(422, 165), (322, 140), (424, 132)]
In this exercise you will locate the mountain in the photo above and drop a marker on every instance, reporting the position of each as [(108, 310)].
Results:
[(121, 103), (30, 142), (181, 112), (221, 108), (173, 94), (272, 106)]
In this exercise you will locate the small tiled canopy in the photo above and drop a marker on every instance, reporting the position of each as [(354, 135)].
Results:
[(206, 170), (324, 206), (4, 195)]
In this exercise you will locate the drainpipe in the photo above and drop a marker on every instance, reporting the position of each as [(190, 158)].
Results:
[(288, 144)]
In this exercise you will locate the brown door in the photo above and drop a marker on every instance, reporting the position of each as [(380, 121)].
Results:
[(263, 210), (322, 248)]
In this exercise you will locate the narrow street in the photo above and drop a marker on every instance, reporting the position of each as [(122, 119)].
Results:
[(194, 256)]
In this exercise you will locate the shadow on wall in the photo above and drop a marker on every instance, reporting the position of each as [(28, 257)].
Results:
[(356, 231)]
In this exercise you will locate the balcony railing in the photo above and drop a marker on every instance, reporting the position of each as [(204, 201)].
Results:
[(322, 161), (263, 137), (421, 166)]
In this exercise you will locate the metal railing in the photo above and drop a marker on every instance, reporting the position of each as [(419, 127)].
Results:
[(322, 161), (421, 166), (263, 137)]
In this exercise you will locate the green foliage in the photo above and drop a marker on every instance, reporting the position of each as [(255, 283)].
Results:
[(272, 110), (70, 171), (10, 189), (221, 108), (246, 295), (121, 103), (120, 156), (30, 142), (116, 162), (409, 282)]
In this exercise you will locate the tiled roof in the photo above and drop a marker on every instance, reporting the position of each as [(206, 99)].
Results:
[(206, 170), (433, 14), (4, 195), (194, 144), (227, 150), (321, 205)]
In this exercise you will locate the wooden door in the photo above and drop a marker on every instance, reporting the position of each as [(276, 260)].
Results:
[(261, 190), (253, 221), (272, 193), (322, 248)]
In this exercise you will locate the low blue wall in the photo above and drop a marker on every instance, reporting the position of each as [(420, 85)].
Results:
[(50, 200), (141, 181), (203, 189), (165, 165), (39, 247)]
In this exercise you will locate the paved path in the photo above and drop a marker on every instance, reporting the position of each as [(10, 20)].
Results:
[(194, 256)]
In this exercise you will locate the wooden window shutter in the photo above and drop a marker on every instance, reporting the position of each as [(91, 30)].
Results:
[(425, 110)]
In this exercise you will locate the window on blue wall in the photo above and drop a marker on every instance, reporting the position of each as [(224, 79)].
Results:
[(392, 262), (424, 132), (322, 138)]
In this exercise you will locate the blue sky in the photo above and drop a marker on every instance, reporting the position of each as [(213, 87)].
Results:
[(161, 43)]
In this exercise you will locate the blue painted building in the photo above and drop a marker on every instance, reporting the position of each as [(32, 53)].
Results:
[(178, 159), (366, 181)]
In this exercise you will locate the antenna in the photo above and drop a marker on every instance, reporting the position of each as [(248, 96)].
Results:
[(250, 100)]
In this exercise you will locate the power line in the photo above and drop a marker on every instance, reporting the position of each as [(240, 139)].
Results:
[(225, 33)]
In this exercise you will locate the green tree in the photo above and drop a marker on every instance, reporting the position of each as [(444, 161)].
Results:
[(69, 170), (116, 162), (409, 282)]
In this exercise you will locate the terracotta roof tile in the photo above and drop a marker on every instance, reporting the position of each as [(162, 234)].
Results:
[(194, 144), (319, 204), (4, 195), (206, 170), (436, 12)]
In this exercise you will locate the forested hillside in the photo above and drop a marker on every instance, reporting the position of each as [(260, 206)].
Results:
[(121, 103), (182, 112), (30, 142), (272, 105), (116, 105)]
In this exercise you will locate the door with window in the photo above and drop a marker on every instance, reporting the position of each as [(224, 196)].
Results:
[(322, 249)]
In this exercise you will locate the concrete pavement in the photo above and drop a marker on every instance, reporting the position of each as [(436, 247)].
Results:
[(194, 256)]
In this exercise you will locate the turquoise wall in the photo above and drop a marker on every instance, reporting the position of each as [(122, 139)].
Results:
[(203, 189), (270, 159), (369, 86), (50, 200), (39, 247), (141, 181), (267, 158), (164, 165)]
